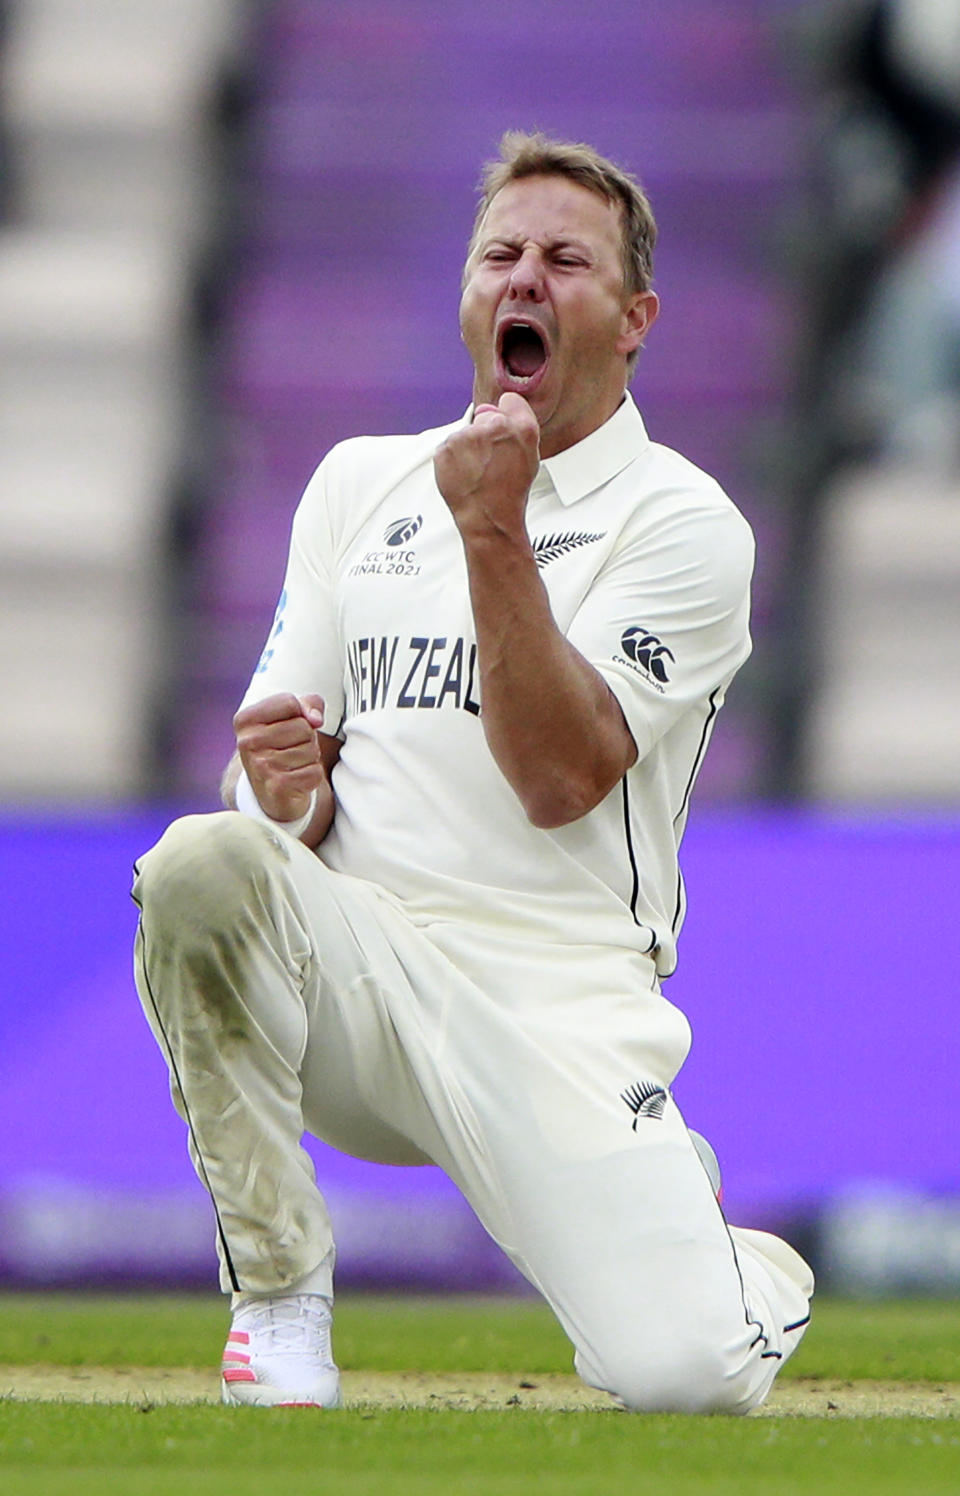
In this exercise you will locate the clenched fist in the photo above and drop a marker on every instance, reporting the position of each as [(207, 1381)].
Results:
[(279, 746), (485, 470)]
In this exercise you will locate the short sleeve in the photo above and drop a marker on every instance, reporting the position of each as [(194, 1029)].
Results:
[(666, 621), (302, 653)]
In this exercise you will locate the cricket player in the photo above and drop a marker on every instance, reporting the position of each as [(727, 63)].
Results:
[(433, 923)]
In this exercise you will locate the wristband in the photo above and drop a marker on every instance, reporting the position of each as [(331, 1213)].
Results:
[(249, 805)]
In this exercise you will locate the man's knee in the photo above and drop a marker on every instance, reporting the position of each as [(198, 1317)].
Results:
[(670, 1377), (200, 868)]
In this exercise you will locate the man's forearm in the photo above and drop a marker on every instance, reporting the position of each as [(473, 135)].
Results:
[(551, 721), (552, 724)]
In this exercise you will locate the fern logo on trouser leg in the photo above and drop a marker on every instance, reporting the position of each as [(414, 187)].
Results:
[(645, 1100)]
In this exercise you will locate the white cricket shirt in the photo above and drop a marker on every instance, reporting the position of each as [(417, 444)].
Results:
[(647, 565)]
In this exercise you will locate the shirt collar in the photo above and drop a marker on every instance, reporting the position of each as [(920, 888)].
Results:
[(588, 464)]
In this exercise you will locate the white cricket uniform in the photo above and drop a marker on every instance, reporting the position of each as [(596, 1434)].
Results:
[(444, 981), (647, 565)]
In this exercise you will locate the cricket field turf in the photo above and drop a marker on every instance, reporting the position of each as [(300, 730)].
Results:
[(468, 1396)]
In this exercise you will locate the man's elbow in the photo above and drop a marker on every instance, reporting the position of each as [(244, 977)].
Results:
[(552, 817), (553, 805), (567, 789)]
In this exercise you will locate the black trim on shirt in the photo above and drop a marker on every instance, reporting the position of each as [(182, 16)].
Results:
[(695, 770), (698, 756), (635, 891)]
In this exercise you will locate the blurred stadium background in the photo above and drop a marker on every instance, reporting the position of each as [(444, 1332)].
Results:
[(231, 234)]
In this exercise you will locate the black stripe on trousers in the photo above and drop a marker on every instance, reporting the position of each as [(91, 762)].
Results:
[(234, 1281)]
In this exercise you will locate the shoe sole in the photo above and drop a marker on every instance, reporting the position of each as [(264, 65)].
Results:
[(266, 1397)]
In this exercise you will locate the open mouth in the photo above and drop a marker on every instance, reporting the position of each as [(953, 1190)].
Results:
[(523, 352)]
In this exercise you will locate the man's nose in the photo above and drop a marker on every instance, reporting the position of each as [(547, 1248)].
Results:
[(526, 278)]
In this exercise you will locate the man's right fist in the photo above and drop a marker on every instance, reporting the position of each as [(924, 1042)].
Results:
[(279, 747)]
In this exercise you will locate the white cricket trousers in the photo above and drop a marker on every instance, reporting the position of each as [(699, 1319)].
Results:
[(287, 997)]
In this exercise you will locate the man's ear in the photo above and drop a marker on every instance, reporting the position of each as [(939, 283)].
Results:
[(639, 315)]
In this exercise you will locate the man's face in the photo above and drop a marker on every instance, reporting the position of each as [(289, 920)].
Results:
[(544, 312)]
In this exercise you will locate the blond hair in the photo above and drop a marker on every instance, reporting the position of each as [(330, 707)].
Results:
[(536, 155)]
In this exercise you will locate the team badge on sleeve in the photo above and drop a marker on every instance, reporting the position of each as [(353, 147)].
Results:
[(645, 649)]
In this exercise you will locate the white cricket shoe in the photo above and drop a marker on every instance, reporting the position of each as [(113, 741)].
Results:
[(278, 1353)]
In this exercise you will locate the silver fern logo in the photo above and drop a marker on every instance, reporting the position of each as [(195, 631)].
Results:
[(547, 548), (645, 1100), (399, 531)]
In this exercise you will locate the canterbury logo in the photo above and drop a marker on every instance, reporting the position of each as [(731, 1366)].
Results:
[(548, 547), (646, 650), (399, 531), (645, 1100)]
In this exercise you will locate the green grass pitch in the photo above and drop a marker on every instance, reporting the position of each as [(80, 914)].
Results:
[(49, 1448)]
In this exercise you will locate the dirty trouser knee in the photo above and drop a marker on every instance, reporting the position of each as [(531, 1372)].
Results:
[(222, 952)]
